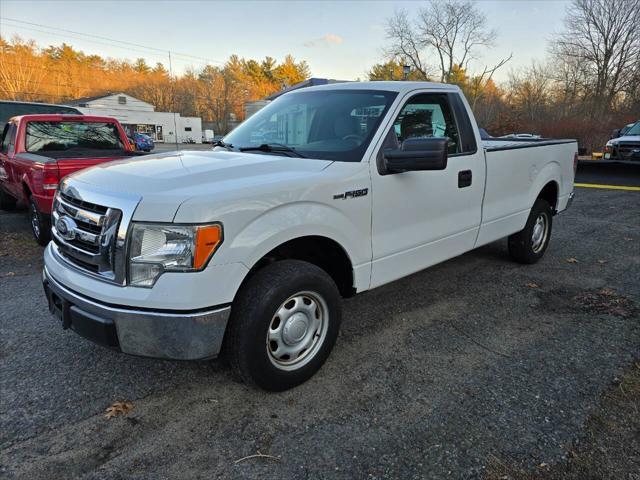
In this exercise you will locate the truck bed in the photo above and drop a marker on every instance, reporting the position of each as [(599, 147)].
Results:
[(496, 144), (517, 170)]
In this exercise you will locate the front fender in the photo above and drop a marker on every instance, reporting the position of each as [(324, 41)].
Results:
[(287, 222)]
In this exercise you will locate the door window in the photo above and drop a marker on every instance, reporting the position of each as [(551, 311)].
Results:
[(8, 137), (426, 116)]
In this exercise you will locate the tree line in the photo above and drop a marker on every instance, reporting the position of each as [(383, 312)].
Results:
[(56, 74), (588, 85)]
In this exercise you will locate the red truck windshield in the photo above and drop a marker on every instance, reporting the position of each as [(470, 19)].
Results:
[(59, 138)]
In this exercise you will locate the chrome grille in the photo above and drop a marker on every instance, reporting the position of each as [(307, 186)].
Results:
[(629, 150), (86, 236)]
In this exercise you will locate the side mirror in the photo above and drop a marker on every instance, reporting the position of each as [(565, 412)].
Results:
[(417, 154), (615, 133)]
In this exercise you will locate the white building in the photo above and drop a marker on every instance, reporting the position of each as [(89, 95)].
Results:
[(138, 116)]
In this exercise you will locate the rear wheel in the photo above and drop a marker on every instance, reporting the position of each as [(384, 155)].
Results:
[(529, 244), (7, 202), (40, 224), (283, 325)]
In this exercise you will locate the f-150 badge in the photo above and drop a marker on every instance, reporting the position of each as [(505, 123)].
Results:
[(351, 194)]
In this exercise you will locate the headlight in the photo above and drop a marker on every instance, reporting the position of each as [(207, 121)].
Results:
[(157, 248)]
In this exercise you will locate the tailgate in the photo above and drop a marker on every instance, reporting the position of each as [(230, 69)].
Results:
[(67, 166)]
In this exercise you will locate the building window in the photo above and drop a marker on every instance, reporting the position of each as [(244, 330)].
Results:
[(122, 100), (187, 129)]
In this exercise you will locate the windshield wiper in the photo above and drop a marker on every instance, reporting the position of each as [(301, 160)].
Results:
[(272, 147), (220, 143)]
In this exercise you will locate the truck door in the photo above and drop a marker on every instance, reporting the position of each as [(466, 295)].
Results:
[(7, 148), (421, 218)]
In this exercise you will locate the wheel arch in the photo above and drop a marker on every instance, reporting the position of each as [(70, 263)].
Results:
[(550, 193), (319, 250), (546, 185), (26, 189)]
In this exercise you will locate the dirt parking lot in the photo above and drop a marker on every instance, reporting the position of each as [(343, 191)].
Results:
[(476, 368)]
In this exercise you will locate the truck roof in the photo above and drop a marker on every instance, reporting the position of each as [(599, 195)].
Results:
[(390, 86), (60, 117)]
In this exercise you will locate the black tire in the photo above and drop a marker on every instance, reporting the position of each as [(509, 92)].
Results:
[(253, 314), (522, 246), (7, 202), (40, 223)]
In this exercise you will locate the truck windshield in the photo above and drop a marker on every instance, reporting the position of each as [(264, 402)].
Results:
[(635, 130), (65, 137), (330, 125)]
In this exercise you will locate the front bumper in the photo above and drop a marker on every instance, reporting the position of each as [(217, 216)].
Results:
[(174, 335)]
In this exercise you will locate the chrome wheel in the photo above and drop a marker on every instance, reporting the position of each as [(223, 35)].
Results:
[(35, 220), (297, 330), (540, 233)]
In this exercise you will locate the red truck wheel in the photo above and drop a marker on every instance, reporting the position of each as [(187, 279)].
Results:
[(40, 224)]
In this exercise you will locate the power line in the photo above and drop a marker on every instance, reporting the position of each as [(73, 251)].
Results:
[(30, 29), (113, 40)]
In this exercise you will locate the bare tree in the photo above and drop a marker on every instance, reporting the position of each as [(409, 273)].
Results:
[(406, 46), (530, 92), (452, 30), (603, 36)]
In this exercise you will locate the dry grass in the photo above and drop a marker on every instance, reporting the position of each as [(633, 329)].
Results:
[(606, 301), (19, 245)]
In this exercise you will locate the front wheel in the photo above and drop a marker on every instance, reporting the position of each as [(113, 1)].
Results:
[(529, 244), (284, 323), (40, 225)]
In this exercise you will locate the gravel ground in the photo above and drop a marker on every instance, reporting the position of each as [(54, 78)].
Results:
[(434, 376)]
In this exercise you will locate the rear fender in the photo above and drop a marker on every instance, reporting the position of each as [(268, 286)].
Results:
[(551, 172)]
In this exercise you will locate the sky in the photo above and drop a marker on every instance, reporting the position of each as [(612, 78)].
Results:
[(339, 40)]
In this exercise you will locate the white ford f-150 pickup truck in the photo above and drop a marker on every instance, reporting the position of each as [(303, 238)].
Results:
[(328, 191)]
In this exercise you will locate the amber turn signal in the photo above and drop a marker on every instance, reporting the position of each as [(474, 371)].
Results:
[(208, 239)]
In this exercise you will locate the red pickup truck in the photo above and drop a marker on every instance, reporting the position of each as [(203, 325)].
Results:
[(37, 151)]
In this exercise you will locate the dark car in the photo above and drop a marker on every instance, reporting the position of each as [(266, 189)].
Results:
[(10, 109), (624, 147)]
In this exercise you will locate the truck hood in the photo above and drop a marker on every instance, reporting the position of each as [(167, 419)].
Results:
[(626, 138), (164, 181)]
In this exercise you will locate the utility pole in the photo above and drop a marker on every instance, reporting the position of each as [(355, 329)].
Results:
[(406, 70)]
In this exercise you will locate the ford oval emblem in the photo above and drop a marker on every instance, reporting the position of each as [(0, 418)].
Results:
[(66, 228)]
